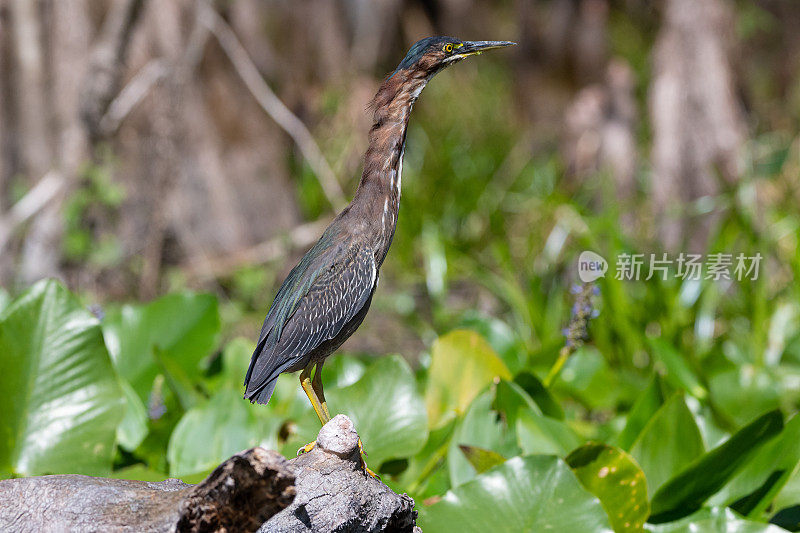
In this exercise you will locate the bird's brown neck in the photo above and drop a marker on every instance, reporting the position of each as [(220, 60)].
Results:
[(377, 198)]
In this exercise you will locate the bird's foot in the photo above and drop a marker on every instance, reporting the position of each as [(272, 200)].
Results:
[(313, 444), (307, 448), (362, 453)]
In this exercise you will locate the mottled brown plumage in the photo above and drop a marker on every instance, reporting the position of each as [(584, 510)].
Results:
[(326, 296)]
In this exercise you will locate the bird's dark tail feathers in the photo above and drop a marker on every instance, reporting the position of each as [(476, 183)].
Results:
[(263, 395)]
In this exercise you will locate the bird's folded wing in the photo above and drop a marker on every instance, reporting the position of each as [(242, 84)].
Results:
[(322, 307)]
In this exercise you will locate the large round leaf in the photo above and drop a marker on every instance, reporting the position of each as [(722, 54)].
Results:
[(505, 341), (183, 327), (386, 408), (533, 493), (481, 427), (537, 433), (613, 476), (462, 364), (212, 432), (61, 401)]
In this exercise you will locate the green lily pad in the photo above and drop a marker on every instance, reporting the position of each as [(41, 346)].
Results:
[(213, 431), (183, 326), (462, 364), (533, 493), (482, 427), (613, 476), (537, 433), (386, 408), (133, 428)]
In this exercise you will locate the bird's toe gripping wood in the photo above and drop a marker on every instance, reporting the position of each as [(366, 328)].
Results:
[(307, 448)]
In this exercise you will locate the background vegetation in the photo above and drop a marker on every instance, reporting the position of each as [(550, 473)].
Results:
[(171, 218)]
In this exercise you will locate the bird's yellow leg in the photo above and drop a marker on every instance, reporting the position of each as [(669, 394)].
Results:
[(363, 462), (316, 384), (322, 412), (316, 403), (313, 389)]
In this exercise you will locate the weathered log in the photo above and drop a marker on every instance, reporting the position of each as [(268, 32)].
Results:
[(239, 495), (324, 490), (335, 494)]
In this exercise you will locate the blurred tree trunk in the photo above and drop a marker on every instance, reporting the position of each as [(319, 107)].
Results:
[(35, 139), (698, 129), (189, 145), (7, 154), (600, 135), (44, 91), (563, 47), (67, 66)]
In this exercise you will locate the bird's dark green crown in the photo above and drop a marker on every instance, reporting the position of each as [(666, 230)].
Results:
[(445, 50), (428, 44)]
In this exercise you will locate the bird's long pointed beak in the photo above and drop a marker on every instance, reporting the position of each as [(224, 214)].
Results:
[(476, 47)]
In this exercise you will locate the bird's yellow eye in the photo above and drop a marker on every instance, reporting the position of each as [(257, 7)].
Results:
[(448, 48)]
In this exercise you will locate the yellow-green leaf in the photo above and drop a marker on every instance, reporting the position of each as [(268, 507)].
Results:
[(462, 365), (613, 476)]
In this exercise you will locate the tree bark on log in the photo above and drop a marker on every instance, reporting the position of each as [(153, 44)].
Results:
[(324, 490)]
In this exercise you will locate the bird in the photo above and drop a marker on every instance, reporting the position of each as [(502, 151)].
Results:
[(327, 294)]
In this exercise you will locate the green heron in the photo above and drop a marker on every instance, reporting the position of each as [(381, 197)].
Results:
[(326, 296)]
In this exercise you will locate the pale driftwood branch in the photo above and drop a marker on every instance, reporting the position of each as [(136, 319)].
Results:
[(130, 95), (107, 63), (29, 205), (272, 105), (325, 490)]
